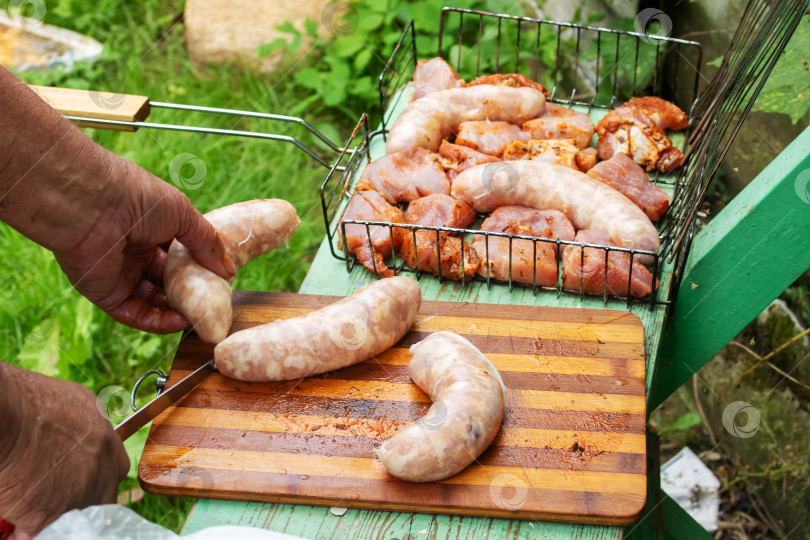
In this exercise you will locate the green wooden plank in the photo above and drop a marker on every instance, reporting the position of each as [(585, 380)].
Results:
[(426, 526), (313, 522), (319, 523), (744, 258), (672, 523)]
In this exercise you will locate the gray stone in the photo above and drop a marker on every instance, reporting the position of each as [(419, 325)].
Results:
[(564, 10), (228, 31)]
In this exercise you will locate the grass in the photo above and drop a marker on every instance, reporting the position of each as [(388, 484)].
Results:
[(44, 323)]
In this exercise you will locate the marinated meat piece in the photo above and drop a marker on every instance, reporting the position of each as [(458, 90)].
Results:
[(532, 262), (590, 270), (586, 202), (627, 177), (370, 206), (560, 122), (433, 75), (404, 177), (586, 159), (562, 151), (450, 251), (434, 117), (456, 158), (439, 211), (515, 80), (529, 222), (637, 129), (489, 137)]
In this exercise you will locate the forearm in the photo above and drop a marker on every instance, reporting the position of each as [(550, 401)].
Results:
[(11, 422), (57, 451), (53, 177)]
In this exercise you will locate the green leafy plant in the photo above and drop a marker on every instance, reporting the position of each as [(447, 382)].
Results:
[(344, 67), (684, 422), (787, 89)]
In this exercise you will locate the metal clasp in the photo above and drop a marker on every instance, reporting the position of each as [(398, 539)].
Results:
[(160, 384)]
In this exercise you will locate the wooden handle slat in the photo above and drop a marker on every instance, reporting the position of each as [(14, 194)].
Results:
[(93, 104)]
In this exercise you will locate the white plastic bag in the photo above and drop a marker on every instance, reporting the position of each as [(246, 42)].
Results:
[(115, 522)]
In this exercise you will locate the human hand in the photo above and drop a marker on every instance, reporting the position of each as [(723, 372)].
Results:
[(106, 219), (57, 451), (117, 261)]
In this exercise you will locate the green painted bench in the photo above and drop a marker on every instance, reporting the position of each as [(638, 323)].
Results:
[(743, 259)]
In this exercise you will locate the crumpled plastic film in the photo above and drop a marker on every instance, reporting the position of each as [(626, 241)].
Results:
[(115, 522)]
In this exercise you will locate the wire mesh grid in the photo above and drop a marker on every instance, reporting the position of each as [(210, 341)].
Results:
[(589, 68), (763, 32)]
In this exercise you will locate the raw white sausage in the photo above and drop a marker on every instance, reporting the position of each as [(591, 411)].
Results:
[(248, 229), (429, 120), (468, 402), (341, 334), (587, 203)]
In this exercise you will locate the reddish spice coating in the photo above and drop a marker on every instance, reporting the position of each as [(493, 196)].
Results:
[(370, 206), (637, 129), (489, 137), (589, 270), (403, 177), (439, 211), (560, 122), (457, 159), (627, 177), (532, 262), (515, 80)]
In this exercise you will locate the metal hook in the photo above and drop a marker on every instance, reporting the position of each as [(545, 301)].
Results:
[(160, 384)]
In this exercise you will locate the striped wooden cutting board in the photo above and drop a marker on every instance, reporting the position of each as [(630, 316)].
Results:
[(571, 447)]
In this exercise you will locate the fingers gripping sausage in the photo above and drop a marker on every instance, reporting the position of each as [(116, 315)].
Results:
[(248, 229), (342, 334), (468, 403)]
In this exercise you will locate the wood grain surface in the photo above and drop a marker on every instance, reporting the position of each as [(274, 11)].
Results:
[(99, 105), (571, 447)]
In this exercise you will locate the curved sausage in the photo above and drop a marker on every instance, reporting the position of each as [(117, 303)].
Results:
[(434, 117), (433, 75), (341, 334), (248, 229), (468, 403), (587, 203)]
